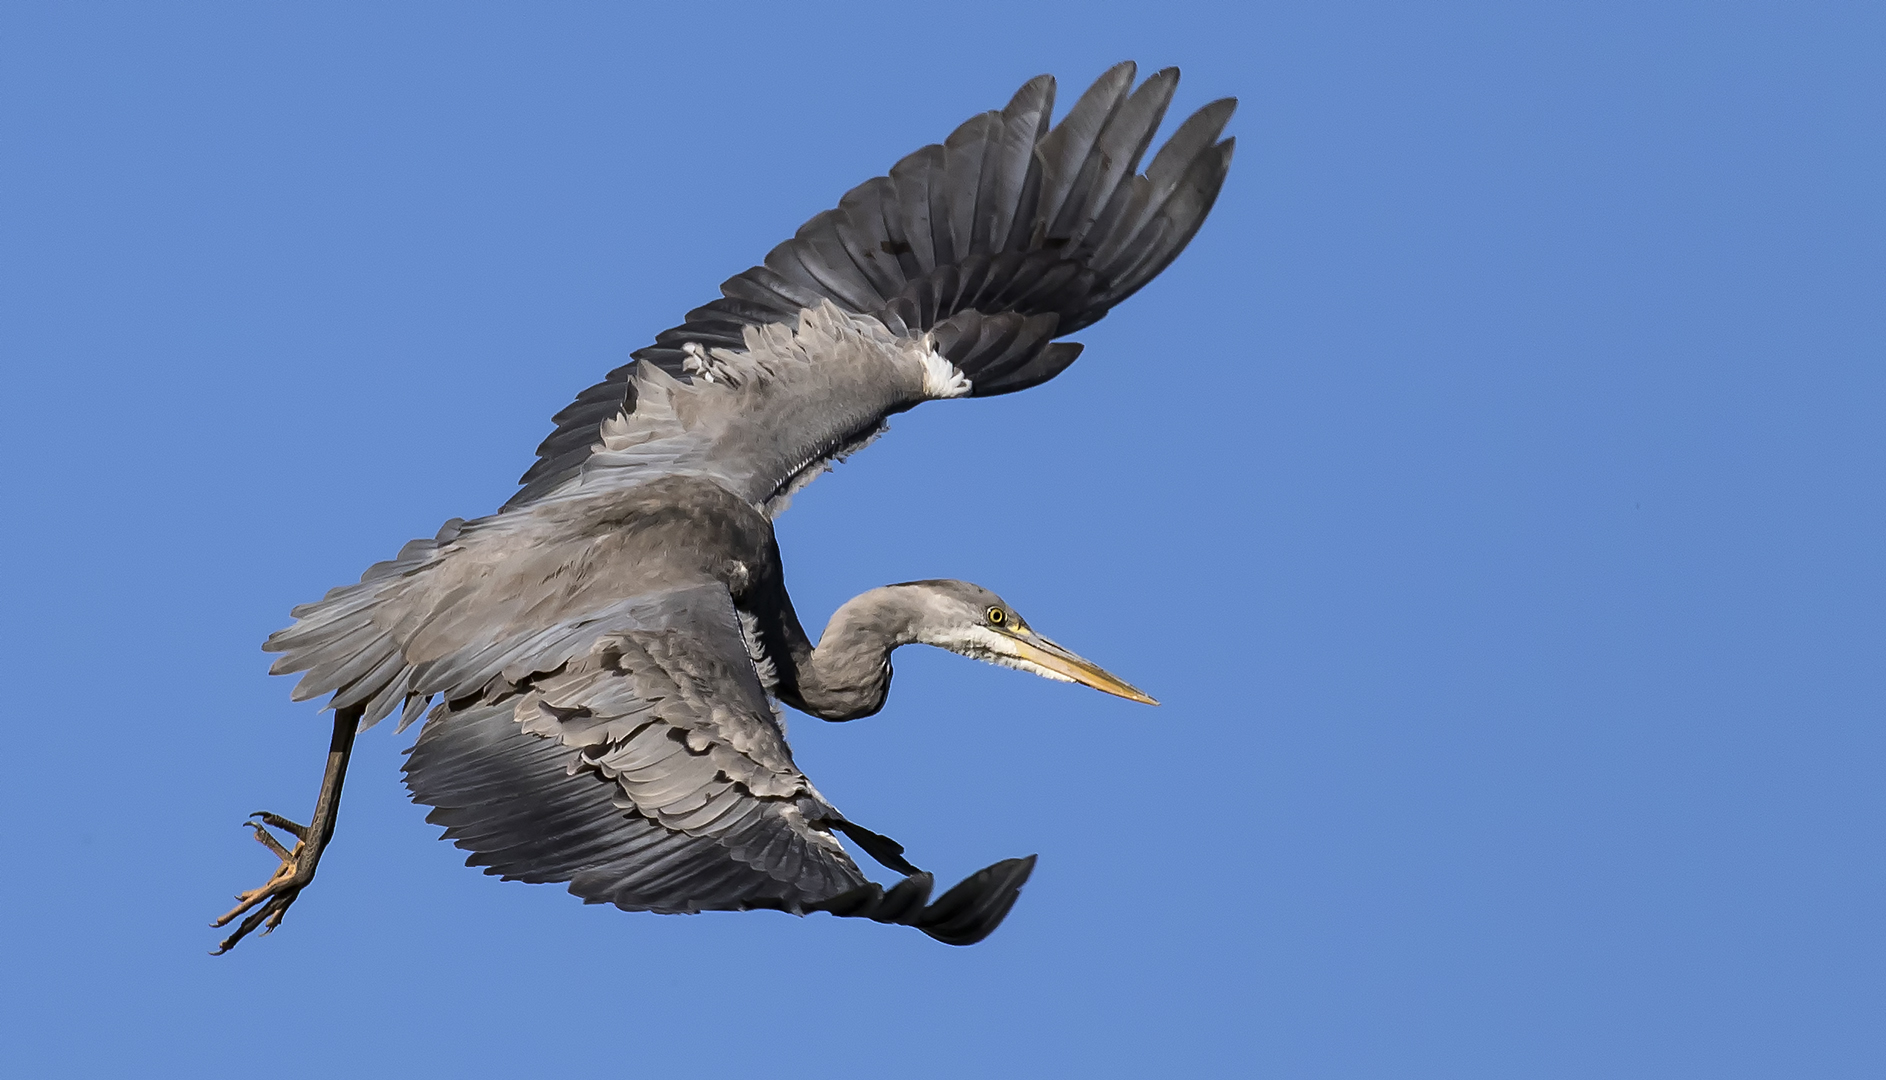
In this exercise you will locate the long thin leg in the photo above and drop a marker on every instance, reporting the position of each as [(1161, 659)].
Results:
[(271, 901)]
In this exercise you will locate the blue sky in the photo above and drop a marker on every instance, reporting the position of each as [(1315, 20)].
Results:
[(1492, 493)]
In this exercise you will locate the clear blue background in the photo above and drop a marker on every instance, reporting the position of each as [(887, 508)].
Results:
[(1493, 493)]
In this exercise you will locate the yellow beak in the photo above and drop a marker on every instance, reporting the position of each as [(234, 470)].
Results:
[(1058, 662)]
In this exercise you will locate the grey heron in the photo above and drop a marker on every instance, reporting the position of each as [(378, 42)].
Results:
[(600, 663)]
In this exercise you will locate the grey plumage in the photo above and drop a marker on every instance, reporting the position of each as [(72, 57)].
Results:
[(595, 650), (615, 775)]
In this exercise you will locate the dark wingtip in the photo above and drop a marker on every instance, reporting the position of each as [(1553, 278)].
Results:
[(903, 902), (852, 904), (963, 916), (973, 909)]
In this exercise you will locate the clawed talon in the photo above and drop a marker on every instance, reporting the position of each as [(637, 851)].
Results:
[(275, 895), (299, 832), (265, 906), (262, 837)]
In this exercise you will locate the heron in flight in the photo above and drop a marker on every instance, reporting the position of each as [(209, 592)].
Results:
[(600, 663)]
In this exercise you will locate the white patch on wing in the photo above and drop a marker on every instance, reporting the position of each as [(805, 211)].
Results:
[(942, 379)]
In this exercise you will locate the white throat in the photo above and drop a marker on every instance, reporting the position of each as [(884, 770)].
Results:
[(982, 643)]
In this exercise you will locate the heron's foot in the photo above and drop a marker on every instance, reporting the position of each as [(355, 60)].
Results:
[(266, 905), (963, 916)]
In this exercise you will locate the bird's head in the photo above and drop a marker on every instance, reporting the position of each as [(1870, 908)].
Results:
[(972, 621)]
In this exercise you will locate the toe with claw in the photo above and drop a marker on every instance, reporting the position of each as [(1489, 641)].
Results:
[(266, 905)]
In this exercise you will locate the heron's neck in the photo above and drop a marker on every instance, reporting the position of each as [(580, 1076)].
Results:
[(848, 674)]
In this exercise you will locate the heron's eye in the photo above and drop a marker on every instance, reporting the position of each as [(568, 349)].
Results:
[(997, 617)]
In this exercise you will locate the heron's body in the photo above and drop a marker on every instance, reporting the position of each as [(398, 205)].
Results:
[(602, 657)]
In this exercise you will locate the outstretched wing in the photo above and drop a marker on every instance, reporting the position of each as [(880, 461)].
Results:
[(649, 773), (1007, 235)]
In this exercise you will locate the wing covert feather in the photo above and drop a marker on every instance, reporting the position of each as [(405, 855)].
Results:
[(649, 773)]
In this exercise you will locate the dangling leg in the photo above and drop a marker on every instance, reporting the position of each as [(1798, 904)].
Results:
[(298, 863)]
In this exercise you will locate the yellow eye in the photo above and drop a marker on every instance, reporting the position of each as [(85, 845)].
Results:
[(997, 617)]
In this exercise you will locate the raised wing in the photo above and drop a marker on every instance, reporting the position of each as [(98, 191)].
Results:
[(1007, 235), (649, 773)]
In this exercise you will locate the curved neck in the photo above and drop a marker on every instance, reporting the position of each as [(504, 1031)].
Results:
[(849, 673)]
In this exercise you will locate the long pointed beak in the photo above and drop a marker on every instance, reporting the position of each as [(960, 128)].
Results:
[(1039, 651)]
